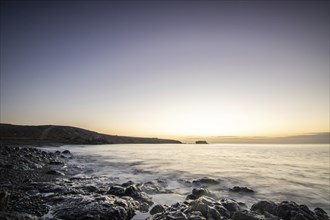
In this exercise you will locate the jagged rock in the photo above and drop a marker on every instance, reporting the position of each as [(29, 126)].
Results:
[(103, 207), (198, 192), (55, 172), (157, 209), (251, 215), (16, 216), (203, 207), (128, 183), (321, 214), (241, 189), (154, 187), (56, 163), (196, 215), (66, 152), (231, 205), (4, 199), (117, 190), (288, 210), (205, 181), (265, 206), (222, 210)]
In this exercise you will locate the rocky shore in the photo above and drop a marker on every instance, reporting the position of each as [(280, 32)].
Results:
[(38, 184)]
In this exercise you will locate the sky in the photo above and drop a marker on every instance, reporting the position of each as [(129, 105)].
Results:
[(167, 68)]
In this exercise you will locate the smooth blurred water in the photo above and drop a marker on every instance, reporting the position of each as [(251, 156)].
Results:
[(276, 172)]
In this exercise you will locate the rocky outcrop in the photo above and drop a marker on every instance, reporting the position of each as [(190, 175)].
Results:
[(240, 189), (205, 207), (201, 142)]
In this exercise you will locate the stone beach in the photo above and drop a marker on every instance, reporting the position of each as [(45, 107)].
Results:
[(40, 184)]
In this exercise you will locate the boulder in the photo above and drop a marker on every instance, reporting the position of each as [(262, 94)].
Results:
[(157, 209), (205, 181), (241, 189), (198, 192)]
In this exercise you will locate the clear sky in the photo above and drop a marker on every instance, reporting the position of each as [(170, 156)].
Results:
[(167, 68)]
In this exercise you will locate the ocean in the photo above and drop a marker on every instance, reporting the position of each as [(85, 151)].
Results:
[(276, 172)]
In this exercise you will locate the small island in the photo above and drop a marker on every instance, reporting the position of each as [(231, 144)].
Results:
[(201, 142)]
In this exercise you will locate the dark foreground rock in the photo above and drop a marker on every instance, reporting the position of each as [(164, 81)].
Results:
[(205, 207), (36, 183), (241, 189)]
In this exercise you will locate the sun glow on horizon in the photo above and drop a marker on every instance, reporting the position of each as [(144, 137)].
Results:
[(169, 69)]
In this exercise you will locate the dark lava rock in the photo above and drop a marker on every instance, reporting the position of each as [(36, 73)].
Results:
[(128, 183), (198, 192), (200, 209), (321, 214), (288, 210), (265, 206), (157, 209), (241, 189), (117, 190), (55, 172), (205, 181), (134, 192), (154, 187), (4, 199), (291, 210), (231, 205), (16, 216), (251, 215), (56, 163), (79, 207), (66, 152)]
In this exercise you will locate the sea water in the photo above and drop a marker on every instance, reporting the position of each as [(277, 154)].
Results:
[(275, 172)]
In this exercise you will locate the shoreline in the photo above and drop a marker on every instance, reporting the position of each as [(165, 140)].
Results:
[(38, 184)]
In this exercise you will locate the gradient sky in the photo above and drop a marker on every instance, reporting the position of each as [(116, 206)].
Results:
[(167, 68)]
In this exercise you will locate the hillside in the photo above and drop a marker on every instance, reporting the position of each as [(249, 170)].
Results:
[(53, 134)]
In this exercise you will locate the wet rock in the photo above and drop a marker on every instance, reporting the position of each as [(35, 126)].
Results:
[(55, 172), (56, 163), (128, 183), (265, 206), (154, 187), (16, 216), (251, 215), (241, 189), (66, 152), (196, 215), (198, 192), (177, 215), (57, 152), (207, 210), (4, 199), (132, 191), (117, 190), (157, 209), (205, 181), (81, 207), (222, 210), (231, 205), (288, 210), (321, 214)]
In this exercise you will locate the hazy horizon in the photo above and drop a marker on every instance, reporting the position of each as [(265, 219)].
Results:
[(167, 69)]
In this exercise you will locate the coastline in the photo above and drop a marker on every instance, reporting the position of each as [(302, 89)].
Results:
[(38, 184)]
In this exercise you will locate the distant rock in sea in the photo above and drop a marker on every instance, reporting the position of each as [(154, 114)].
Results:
[(201, 142)]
